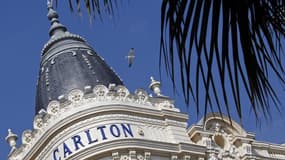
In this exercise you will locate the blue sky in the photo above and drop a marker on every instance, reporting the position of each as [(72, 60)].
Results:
[(24, 31)]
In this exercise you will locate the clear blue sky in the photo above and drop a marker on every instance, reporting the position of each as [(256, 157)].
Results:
[(24, 31)]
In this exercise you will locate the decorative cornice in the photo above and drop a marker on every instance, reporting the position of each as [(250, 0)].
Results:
[(156, 148), (269, 146), (223, 141), (98, 99)]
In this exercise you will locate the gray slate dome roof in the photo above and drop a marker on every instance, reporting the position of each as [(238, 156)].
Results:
[(68, 63)]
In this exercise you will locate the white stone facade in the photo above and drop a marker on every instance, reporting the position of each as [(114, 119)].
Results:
[(114, 124), (225, 139)]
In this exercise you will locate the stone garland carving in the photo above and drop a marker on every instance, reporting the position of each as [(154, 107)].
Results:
[(141, 96), (164, 104), (27, 137), (75, 96), (122, 93), (100, 92), (133, 155), (53, 107), (167, 104), (38, 122)]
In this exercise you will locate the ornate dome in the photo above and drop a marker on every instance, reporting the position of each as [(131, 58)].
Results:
[(68, 63)]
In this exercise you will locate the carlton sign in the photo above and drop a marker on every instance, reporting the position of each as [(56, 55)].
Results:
[(90, 137)]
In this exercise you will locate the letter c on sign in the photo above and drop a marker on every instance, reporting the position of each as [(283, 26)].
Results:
[(54, 154)]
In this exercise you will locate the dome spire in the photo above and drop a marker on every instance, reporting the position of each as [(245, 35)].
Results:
[(68, 63), (56, 26)]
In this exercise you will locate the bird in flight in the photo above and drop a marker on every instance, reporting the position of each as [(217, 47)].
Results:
[(131, 56)]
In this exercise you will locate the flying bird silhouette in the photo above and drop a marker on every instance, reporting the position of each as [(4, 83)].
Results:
[(131, 56)]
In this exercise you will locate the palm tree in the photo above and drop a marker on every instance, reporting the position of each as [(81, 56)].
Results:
[(218, 41)]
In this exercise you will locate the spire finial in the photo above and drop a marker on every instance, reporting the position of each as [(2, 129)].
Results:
[(49, 3), (56, 26), (155, 86), (11, 139)]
